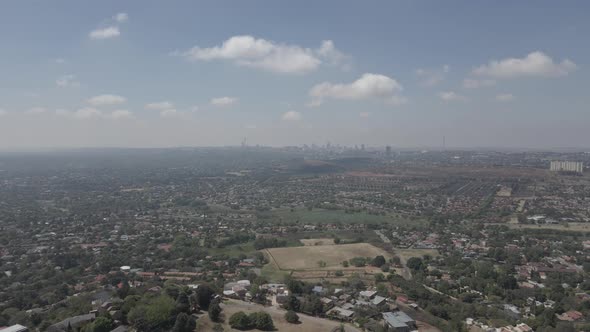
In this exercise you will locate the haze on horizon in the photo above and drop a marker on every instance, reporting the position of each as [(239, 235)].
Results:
[(211, 73)]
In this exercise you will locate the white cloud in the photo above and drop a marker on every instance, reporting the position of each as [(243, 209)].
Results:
[(291, 116), (505, 97), (332, 55), (169, 113), (432, 77), (364, 114), (368, 86), (106, 33), (36, 110), (162, 105), (121, 17), (470, 83), (223, 101), (120, 114), (314, 103), (535, 64), (87, 113), (451, 96), (106, 99), (90, 112), (67, 81), (254, 52)]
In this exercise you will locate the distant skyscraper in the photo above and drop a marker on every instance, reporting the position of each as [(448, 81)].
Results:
[(388, 151), (567, 166)]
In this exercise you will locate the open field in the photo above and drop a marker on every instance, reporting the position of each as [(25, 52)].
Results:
[(307, 257), (317, 242), (405, 254), (344, 235), (308, 323)]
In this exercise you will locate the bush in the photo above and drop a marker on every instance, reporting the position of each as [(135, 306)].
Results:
[(379, 261), (240, 321), (262, 321), (214, 311), (259, 320), (291, 317)]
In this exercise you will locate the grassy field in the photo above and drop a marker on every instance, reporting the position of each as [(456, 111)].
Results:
[(234, 250), (345, 236), (572, 226), (405, 254), (317, 242), (306, 258)]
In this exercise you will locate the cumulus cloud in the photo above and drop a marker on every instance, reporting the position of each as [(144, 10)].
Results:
[(291, 116), (264, 54), (120, 114), (36, 110), (169, 113), (368, 86), (87, 113), (162, 105), (93, 113), (505, 97), (106, 99), (451, 96), (432, 77), (121, 17), (535, 64), (223, 101), (105, 33), (67, 81), (470, 83), (332, 55)]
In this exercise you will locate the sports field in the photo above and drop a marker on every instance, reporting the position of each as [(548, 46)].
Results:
[(308, 257)]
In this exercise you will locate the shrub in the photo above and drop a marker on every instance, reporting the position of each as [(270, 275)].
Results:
[(291, 317)]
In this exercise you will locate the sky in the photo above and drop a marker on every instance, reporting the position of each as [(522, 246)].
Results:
[(147, 73)]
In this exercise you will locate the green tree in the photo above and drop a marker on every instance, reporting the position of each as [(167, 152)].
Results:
[(204, 296), (378, 261), (292, 317), (102, 324), (214, 311), (240, 321), (415, 263), (182, 303), (184, 323), (262, 321)]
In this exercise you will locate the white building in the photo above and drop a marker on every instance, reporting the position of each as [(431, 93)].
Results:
[(567, 166)]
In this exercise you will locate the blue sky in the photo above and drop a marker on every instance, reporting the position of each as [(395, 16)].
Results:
[(195, 73)]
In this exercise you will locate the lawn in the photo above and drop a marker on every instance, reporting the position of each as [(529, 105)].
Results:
[(308, 257)]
